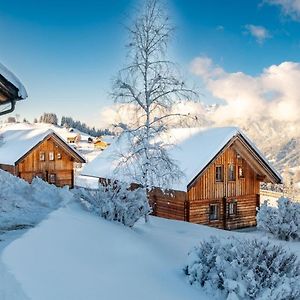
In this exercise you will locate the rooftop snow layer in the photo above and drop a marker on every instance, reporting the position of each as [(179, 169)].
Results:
[(193, 149), (9, 76), (14, 143)]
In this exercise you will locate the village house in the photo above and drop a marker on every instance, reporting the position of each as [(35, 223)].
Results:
[(100, 144), (11, 90), (223, 170), (29, 153)]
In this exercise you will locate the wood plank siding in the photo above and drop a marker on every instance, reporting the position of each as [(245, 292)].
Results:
[(51, 159), (58, 169), (235, 199)]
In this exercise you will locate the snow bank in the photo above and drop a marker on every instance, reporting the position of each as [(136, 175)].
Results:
[(24, 204), (76, 255)]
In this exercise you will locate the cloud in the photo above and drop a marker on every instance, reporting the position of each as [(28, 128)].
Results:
[(260, 33), (289, 8), (272, 94), (204, 67)]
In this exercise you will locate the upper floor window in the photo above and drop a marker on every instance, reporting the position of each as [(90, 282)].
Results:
[(42, 156), (219, 173), (231, 172), (58, 155), (51, 155), (241, 172)]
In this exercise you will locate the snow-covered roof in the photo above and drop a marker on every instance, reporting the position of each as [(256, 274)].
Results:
[(12, 78), (16, 143), (193, 149)]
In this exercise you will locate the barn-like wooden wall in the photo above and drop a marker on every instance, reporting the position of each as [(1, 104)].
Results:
[(194, 205), (31, 166), (206, 190)]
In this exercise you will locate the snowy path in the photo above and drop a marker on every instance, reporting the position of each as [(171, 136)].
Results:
[(10, 289), (75, 255)]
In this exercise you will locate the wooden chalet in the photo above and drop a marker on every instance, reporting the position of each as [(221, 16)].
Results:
[(29, 153), (223, 170), (11, 90)]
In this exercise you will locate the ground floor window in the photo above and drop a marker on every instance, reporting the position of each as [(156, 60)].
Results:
[(232, 208), (52, 178), (213, 211)]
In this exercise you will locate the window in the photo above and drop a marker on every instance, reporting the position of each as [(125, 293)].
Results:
[(52, 178), (42, 156), (51, 155), (58, 155), (213, 212), (241, 172), (232, 208), (219, 173), (231, 172)]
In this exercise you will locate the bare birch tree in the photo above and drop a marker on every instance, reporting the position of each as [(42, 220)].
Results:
[(151, 85)]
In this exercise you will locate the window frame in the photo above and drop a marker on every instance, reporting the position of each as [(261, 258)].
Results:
[(215, 216), (50, 180), (243, 174), (42, 156), (51, 156), (222, 173), (229, 172), (59, 156), (232, 209)]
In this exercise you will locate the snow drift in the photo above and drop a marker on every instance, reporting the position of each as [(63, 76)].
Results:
[(23, 204)]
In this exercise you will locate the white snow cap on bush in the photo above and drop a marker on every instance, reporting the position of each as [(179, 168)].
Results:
[(115, 202), (244, 269), (282, 221)]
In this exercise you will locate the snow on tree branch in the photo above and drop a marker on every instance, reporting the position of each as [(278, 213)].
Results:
[(152, 85)]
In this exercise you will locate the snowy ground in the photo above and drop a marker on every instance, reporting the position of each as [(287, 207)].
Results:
[(75, 255)]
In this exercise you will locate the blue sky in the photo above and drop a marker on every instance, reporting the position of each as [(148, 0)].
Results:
[(66, 52)]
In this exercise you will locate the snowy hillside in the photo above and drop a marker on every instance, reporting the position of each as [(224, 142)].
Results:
[(85, 257)]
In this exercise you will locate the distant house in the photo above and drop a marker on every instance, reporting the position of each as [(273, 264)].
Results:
[(100, 144), (73, 137), (29, 153), (223, 170), (11, 90)]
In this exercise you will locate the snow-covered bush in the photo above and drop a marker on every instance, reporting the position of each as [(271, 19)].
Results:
[(24, 204), (282, 221), (115, 202), (244, 269)]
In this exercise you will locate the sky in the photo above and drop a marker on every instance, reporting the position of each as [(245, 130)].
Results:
[(242, 54)]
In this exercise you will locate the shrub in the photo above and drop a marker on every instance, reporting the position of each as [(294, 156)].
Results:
[(115, 203), (282, 221), (244, 269)]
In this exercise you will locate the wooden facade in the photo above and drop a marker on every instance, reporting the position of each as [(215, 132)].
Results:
[(225, 194), (51, 159), (239, 194)]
